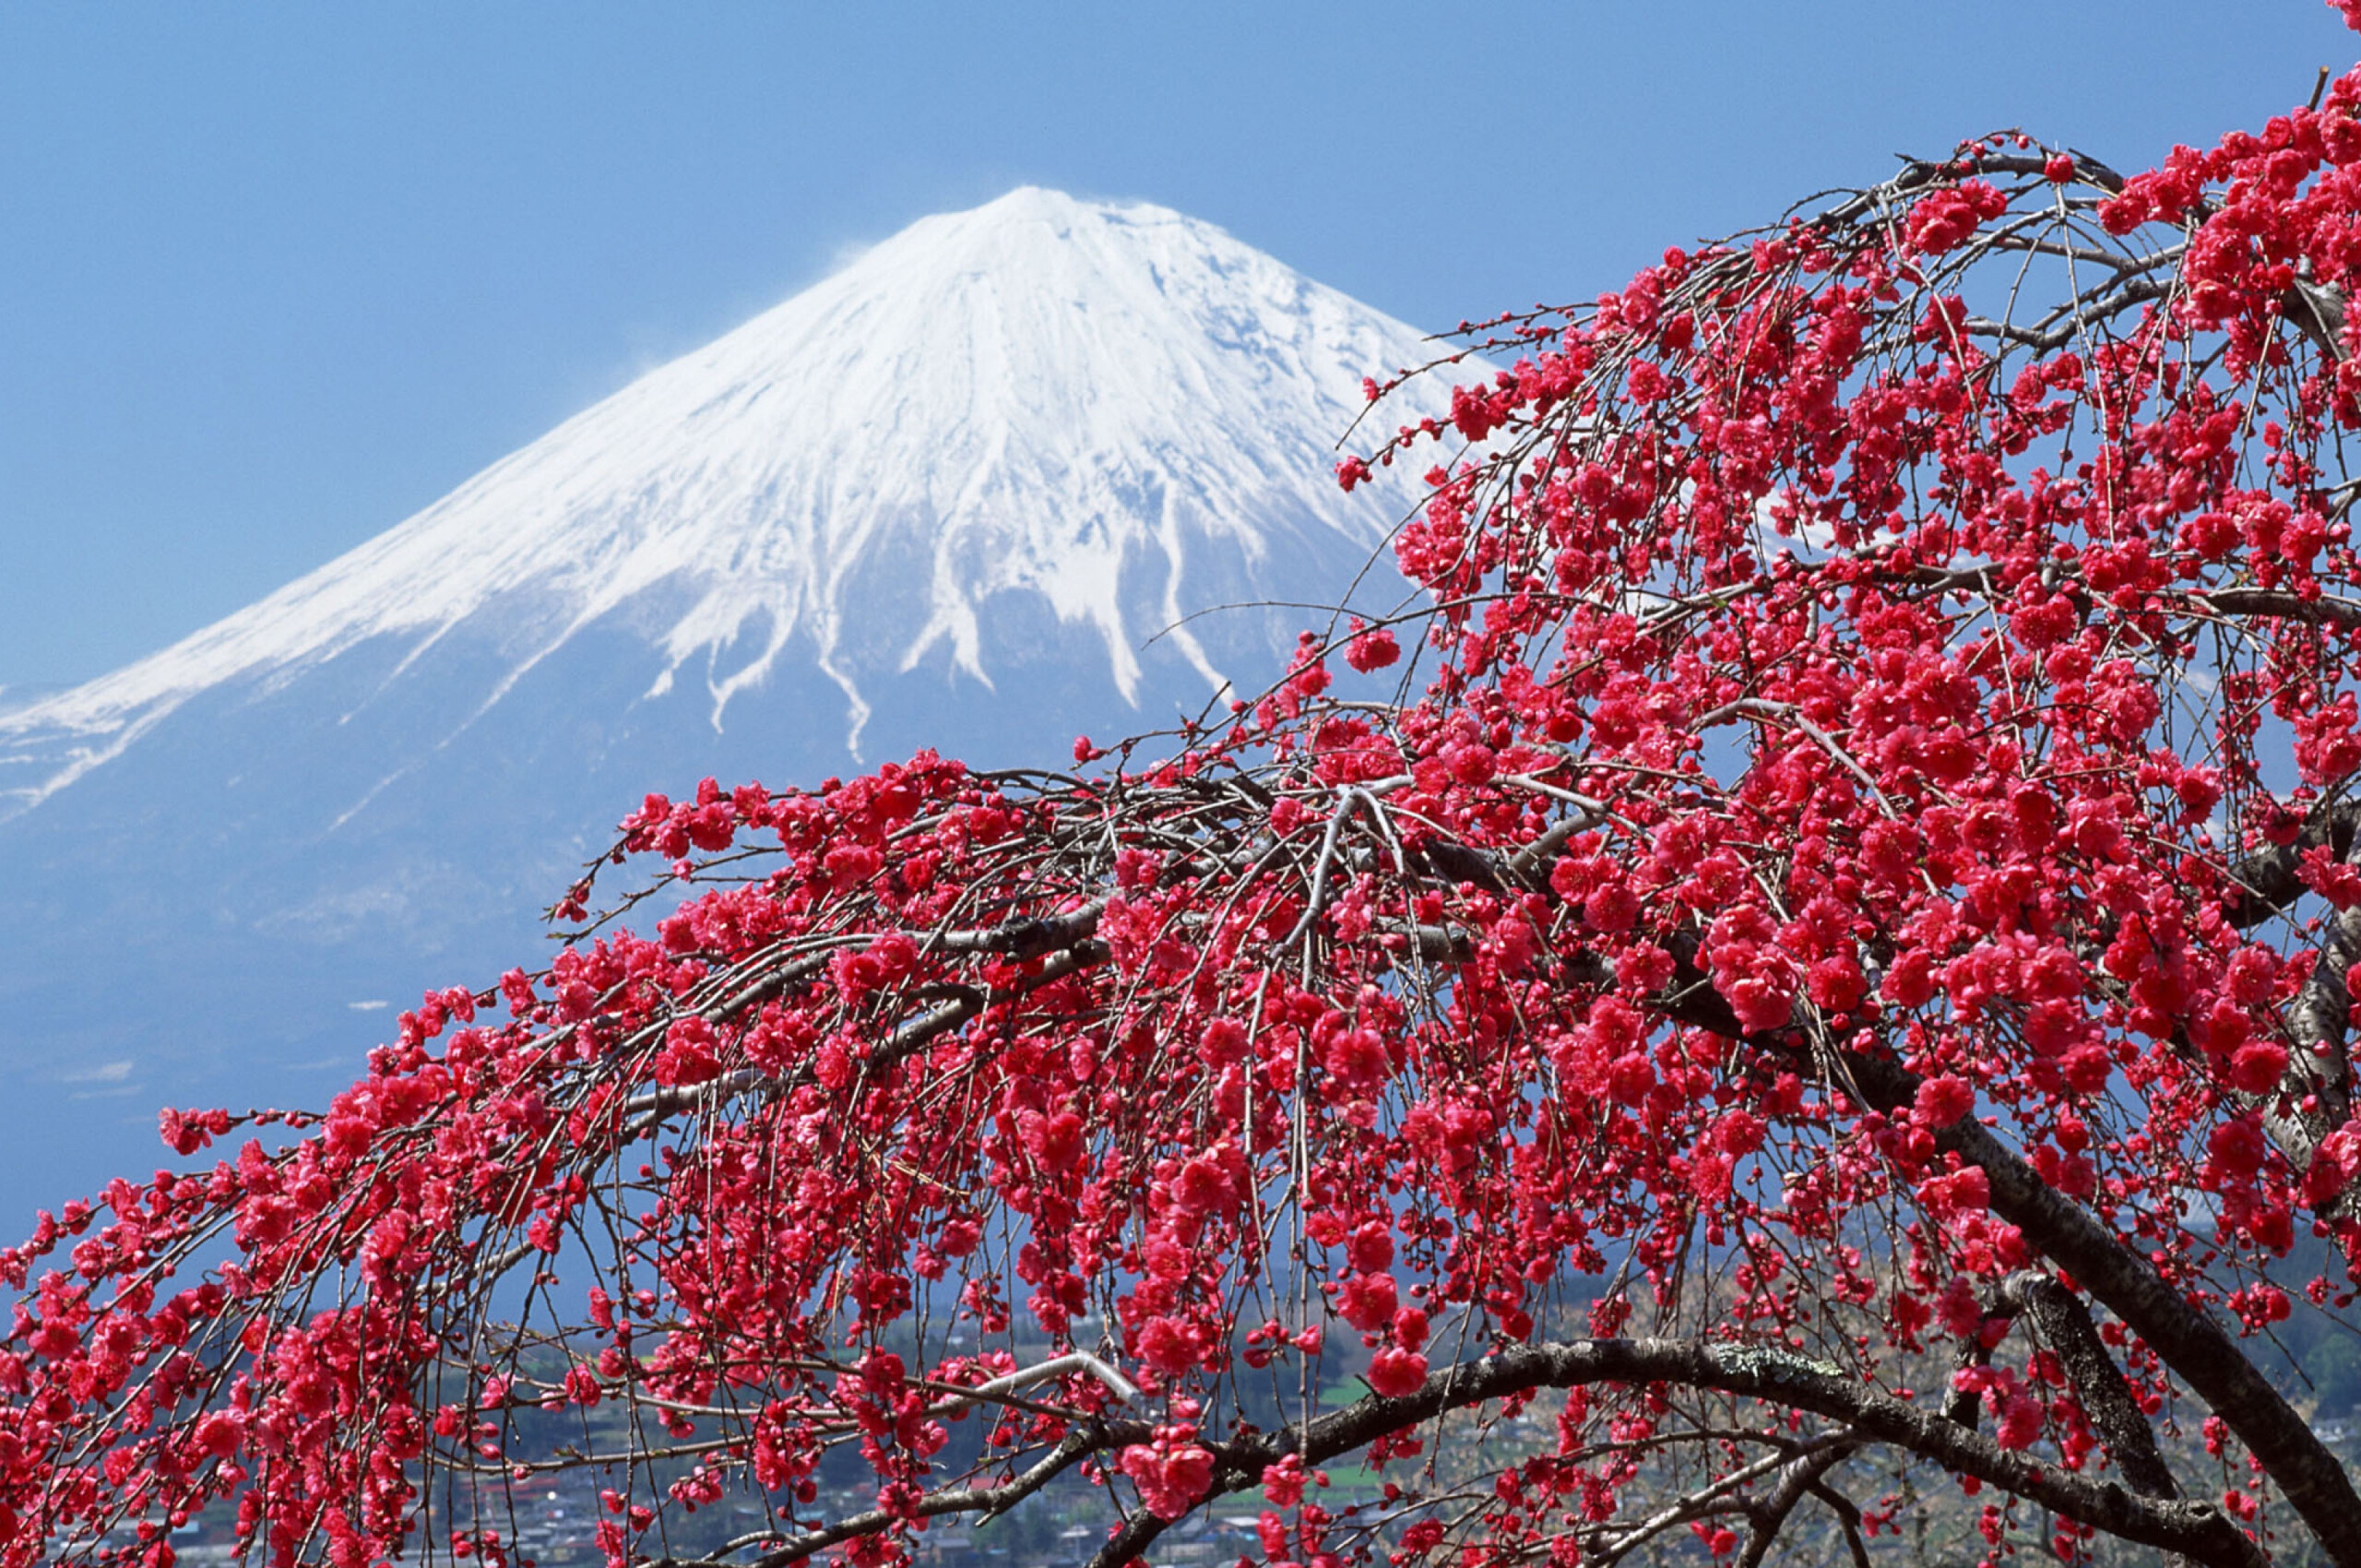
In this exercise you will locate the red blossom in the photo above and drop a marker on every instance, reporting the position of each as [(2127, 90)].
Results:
[(1372, 650)]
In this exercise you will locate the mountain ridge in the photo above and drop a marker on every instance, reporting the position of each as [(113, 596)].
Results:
[(945, 497), (787, 508)]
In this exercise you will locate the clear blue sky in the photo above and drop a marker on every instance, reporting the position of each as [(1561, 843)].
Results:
[(276, 277)]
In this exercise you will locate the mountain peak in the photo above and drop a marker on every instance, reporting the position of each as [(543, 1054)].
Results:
[(1080, 405), (1031, 204), (1027, 203), (946, 496)]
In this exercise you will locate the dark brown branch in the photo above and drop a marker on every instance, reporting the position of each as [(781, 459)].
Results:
[(2316, 1018), (1708, 1500), (2064, 1325), (1531, 864), (1966, 1406), (1024, 939), (965, 1003), (1920, 172), (2270, 878), (2317, 311), (1796, 1483), (2318, 1086), (2242, 603), (2196, 1531), (2277, 604), (1848, 1514), (2191, 1342), (1457, 863), (2138, 291)]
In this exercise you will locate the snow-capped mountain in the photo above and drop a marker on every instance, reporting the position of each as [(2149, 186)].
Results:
[(949, 496)]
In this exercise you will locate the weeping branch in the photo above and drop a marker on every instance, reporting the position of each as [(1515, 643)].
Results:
[(2198, 1531)]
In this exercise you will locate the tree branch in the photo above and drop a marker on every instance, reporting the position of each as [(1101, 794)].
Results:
[(2064, 1325), (1802, 1474), (2196, 1531), (2190, 1342), (2268, 879), (1848, 1514), (988, 1500), (2197, 1348), (2318, 1076)]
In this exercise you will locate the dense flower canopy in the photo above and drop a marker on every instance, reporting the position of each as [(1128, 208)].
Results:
[(1833, 947)]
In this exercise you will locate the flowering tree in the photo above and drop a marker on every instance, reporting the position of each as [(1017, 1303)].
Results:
[(1825, 987)]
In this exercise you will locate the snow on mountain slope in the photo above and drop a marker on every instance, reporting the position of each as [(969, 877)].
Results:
[(1040, 395), (948, 496)]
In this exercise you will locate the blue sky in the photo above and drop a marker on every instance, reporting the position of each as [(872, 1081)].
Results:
[(277, 276)]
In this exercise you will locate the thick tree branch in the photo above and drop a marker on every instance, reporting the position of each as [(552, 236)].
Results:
[(2318, 1074), (1964, 1406), (2270, 879), (2322, 610), (2196, 1531), (2191, 1342), (2064, 1325), (1796, 1480)]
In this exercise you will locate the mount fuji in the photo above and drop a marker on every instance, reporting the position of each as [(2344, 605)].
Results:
[(978, 489)]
